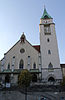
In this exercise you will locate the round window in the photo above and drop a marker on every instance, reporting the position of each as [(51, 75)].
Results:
[(22, 50)]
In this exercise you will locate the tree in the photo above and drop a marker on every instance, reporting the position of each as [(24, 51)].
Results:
[(24, 80)]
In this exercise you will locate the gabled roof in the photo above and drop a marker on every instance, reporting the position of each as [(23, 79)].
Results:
[(45, 15), (37, 47)]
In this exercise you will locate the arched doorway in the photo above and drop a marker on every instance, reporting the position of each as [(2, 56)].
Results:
[(7, 78), (34, 78), (51, 79), (21, 64)]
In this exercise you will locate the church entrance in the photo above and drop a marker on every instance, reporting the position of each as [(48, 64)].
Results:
[(7, 78), (34, 78), (51, 79)]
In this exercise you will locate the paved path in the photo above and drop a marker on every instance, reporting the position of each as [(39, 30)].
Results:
[(11, 95), (16, 95)]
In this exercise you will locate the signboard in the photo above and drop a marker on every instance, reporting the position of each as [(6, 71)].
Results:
[(7, 85)]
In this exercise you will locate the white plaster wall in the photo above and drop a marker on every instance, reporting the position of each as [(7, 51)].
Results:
[(15, 51), (45, 46), (56, 73)]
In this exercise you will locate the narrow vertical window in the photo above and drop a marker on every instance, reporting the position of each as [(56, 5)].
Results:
[(39, 60), (28, 60), (48, 40), (8, 66), (49, 52), (34, 66), (21, 64), (13, 62), (47, 30)]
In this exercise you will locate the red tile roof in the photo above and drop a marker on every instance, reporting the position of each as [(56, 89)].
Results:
[(37, 47), (62, 65)]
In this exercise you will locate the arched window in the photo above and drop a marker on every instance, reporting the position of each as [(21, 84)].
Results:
[(48, 40), (8, 67), (21, 64), (34, 66), (49, 51), (50, 65)]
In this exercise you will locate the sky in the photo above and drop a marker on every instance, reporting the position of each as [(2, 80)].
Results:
[(17, 16)]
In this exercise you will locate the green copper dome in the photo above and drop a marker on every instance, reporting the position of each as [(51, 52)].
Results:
[(45, 15)]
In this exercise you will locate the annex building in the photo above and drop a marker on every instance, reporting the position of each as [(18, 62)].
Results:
[(41, 60)]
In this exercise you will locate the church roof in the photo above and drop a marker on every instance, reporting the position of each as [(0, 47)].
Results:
[(62, 65), (37, 47), (45, 15)]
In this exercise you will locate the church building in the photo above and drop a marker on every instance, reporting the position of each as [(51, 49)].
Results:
[(41, 60)]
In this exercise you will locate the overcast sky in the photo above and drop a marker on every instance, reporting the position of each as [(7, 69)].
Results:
[(17, 16)]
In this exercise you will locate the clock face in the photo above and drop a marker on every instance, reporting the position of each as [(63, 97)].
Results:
[(46, 21)]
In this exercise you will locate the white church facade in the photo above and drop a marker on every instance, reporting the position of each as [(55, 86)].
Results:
[(41, 60)]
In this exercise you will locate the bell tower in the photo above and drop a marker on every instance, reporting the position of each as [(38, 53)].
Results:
[(51, 70)]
